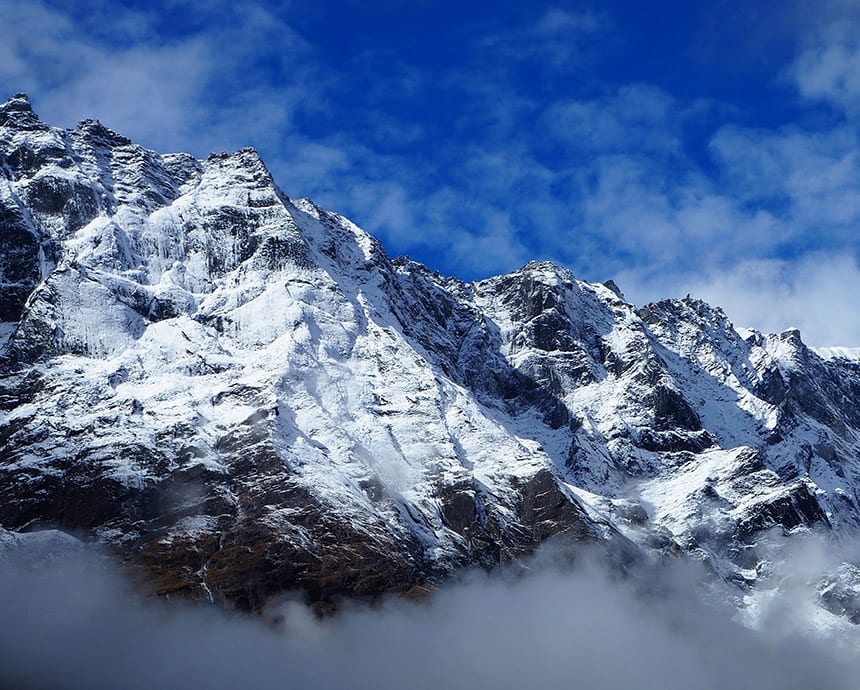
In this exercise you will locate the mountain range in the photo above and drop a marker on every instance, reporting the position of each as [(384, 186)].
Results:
[(241, 394)]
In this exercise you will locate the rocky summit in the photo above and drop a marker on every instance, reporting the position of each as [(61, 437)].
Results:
[(240, 394)]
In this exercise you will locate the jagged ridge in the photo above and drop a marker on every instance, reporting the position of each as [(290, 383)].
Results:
[(242, 394)]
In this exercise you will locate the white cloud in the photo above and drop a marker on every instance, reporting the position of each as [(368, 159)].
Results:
[(172, 93), (78, 626), (815, 174), (393, 210), (497, 245), (815, 293), (555, 39), (830, 72), (637, 117)]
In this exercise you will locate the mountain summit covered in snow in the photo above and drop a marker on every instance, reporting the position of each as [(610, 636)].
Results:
[(241, 394)]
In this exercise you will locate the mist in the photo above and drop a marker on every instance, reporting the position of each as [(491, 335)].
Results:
[(71, 621)]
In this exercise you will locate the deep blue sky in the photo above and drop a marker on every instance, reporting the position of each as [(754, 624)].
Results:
[(677, 147)]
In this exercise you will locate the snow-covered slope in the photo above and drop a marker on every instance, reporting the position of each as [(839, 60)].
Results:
[(242, 394)]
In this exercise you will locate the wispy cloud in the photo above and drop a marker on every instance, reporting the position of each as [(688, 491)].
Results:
[(830, 70), (636, 118), (553, 39)]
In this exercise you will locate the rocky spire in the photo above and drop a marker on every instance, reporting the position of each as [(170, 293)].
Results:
[(18, 113)]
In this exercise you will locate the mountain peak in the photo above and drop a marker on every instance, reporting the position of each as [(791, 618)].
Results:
[(20, 101), (248, 153), (95, 128), (545, 265), (547, 271), (17, 112), (246, 158), (792, 337)]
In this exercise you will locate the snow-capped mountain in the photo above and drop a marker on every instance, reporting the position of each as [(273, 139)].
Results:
[(241, 393)]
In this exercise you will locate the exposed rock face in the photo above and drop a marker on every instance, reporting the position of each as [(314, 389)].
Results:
[(242, 394)]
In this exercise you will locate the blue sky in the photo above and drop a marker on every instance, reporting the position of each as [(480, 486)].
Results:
[(706, 148)]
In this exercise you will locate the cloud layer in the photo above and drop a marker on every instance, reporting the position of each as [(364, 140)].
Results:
[(78, 626)]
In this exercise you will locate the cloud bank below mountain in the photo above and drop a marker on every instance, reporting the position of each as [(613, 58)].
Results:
[(77, 625)]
